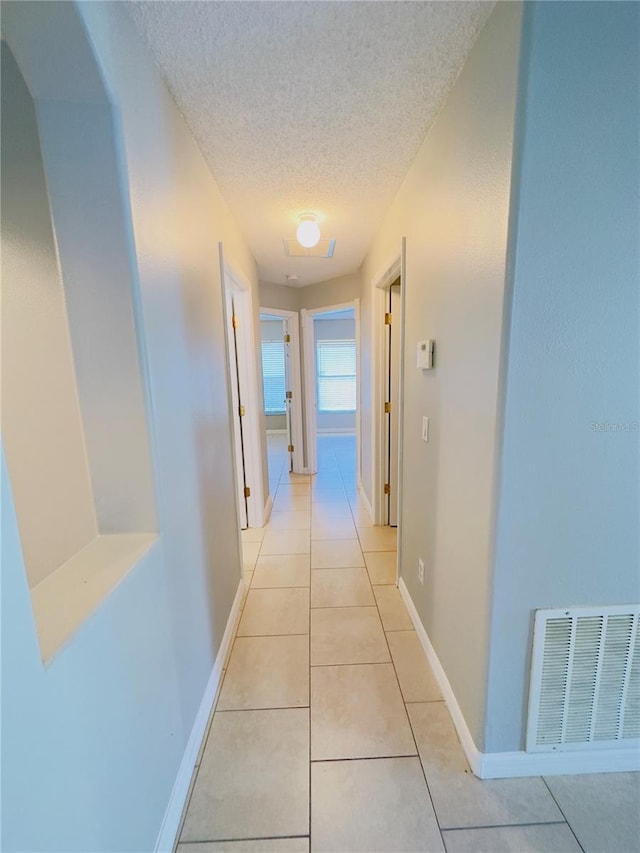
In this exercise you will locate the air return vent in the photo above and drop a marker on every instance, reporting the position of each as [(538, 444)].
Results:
[(585, 679)]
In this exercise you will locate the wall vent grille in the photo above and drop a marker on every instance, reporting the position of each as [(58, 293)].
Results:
[(585, 679)]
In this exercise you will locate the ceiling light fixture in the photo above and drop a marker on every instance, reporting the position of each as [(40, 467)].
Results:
[(308, 232)]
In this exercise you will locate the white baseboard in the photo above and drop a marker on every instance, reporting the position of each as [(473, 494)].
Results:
[(167, 836), (267, 509), (365, 499), (502, 765), (474, 756)]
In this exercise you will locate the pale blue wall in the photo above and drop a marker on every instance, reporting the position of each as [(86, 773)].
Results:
[(568, 511), (92, 743)]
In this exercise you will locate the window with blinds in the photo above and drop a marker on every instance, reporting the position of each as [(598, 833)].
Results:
[(273, 377), (336, 374)]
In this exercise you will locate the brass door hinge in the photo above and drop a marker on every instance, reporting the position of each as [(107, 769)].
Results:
[(234, 322), (387, 408), (387, 319), (247, 492), (287, 339), (289, 395), (387, 489), (290, 448), (242, 412)]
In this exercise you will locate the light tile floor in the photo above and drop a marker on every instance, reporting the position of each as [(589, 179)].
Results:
[(330, 733)]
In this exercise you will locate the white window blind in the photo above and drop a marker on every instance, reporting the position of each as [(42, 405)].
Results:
[(273, 377), (336, 367)]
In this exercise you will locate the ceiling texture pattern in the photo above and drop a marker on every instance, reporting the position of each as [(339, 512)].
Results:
[(310, 106)]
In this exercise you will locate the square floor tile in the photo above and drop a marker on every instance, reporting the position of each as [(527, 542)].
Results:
[(381, 566), (341, 588), (267, 672), (347, 635), (552, 838), (337, 528), (285, 502), (417, 681), (252, 534), (255, 845), (394, 614), (300, 520), (603, 809), (281, 570), (358, 712), (336, 554), (294, 488), (275, 611), (254, 777), (361, 515), (378, 538), (286, 542), (330, 514), (291, 477), (461, 799), (374, 806), (329, 495), (250, 551)]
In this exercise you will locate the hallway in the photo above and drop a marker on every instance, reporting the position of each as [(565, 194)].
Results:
[(330, 732)]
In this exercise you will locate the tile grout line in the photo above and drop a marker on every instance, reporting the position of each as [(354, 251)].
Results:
[(363, 758), (505, 825), (544, 781), (266, 708), (252, 838)]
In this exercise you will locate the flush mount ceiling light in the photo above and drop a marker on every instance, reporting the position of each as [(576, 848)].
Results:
[(308, 232)]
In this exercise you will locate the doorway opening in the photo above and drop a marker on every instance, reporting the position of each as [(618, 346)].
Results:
[(243, 388), (391, 443), (331, 360), (387, 335), (280, 349)]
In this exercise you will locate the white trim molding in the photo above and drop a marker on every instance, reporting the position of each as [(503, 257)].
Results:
[(380, 283), (268, 507), (363, 497), (292, 318), (168, 835), (502, 765)]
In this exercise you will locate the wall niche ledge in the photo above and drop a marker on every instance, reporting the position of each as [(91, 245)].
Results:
[(65, 599)]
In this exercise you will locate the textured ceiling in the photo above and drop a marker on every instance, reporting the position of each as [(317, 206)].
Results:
[(309, 106)]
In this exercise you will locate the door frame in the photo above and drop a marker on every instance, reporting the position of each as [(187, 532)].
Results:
[(379, 287), (310, 375), (296, 383), (240, 290)]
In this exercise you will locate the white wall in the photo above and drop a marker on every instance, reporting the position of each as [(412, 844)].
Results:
[(323, 294), (453, 208), (335, 291), (92, 744), (569, 499), (278, 296), (83, 163), (42, 423)]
